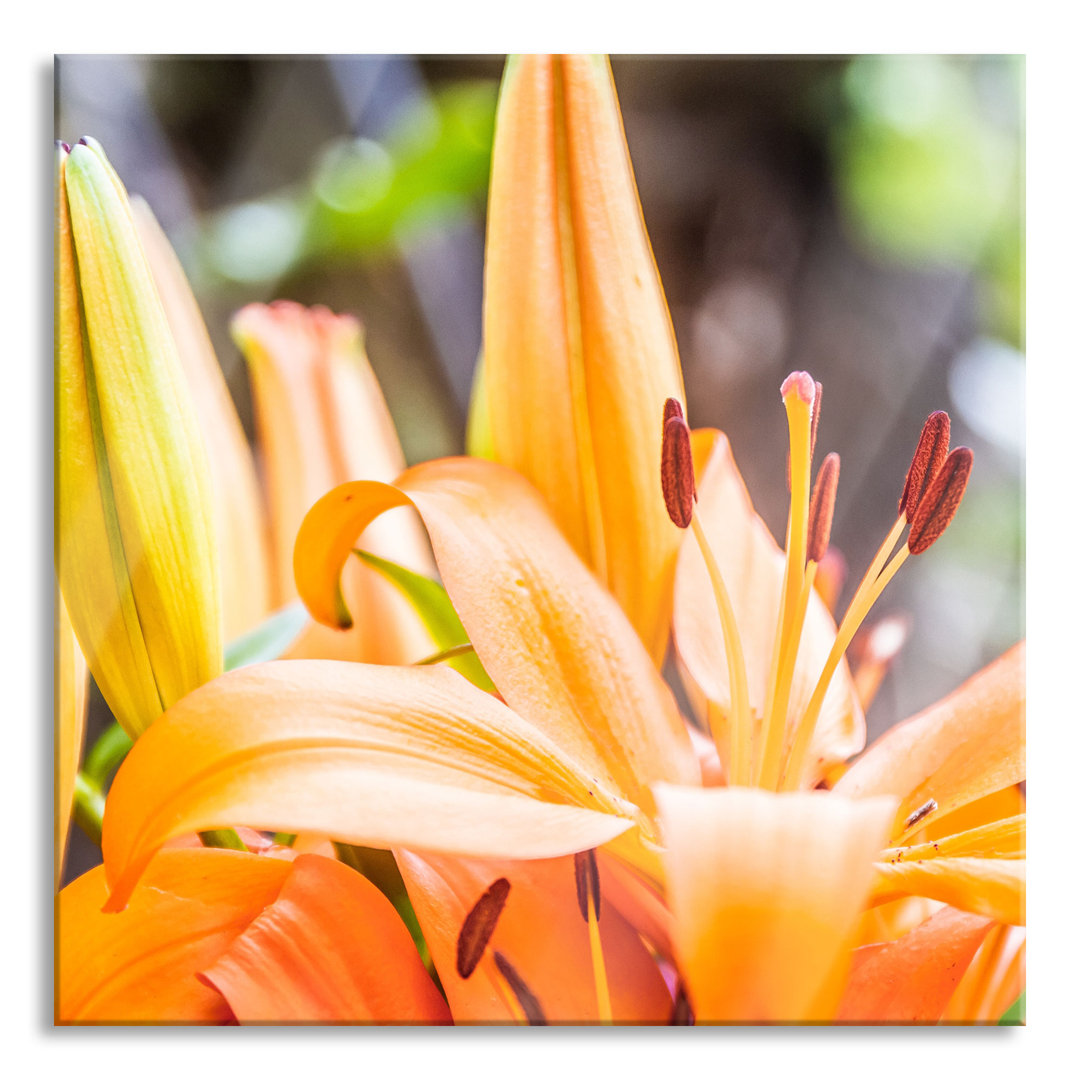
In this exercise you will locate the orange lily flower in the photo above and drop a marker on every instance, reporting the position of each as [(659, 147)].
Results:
[(579, 353), (766, 888), (322, 421), (224, 936)]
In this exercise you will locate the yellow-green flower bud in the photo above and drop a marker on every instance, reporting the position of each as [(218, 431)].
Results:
[(135, 547)]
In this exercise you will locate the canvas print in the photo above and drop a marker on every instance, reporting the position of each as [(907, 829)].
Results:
[(539, 540)]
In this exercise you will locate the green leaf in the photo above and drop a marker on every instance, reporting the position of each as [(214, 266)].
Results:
[(1016, 1014), (268, 640), (106, 754), (434, 608)]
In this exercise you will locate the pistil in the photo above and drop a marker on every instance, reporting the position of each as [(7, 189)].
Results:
[(800, 396)]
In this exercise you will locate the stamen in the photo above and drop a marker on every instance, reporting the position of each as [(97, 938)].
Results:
[(534, 1014), (815, 415), (929, 456), (673, 407), (587, 877), (938, 505), (681, 1013), (677, 470), (737, 758), (822, 504), (479, 925), (925, 810)]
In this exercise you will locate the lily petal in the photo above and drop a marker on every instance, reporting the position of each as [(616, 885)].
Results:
[(993, 980), (329, 949), (579, 353), (243, 542), (766, 893), (541, 932), (753, 570), (556, 644), (338, 749), (968, 745), (140, 965), (910, 980), (322, 420), (71, 690), (993, 887)]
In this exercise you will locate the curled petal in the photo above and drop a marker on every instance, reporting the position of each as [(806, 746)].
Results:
[(338, 749), (753, 569), (322, 420), (910, 980), (967, 746), (329, 949), (140, 965), (555, 643), (766, 892)]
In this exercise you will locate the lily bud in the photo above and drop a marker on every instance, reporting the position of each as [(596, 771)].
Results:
[(579, 354), (135, 548), (243, 539), (321, 421)]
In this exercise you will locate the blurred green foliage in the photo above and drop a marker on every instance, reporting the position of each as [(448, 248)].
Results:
[(362, 194), (929, 167)]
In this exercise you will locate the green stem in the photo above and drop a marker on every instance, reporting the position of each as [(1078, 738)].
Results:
[(223, 838), (89, 807)]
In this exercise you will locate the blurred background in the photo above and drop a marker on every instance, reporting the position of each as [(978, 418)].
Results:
[(859, 217)]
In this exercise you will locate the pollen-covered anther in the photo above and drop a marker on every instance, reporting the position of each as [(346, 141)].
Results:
[(479, 925), (940, 501), (530, 1006), (822, 504), (929, 456), (677, 470), (587, 878), (673, 407), (924, 811)]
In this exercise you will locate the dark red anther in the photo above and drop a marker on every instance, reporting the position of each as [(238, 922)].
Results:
[(929, 456), (677, 470), (587, 877), (939, 502), (63, 146), (530, 1006), (673, 407), (822, 504), (479, 925)]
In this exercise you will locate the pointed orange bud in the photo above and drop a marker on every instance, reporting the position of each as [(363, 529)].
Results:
[(579, 353)]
